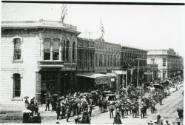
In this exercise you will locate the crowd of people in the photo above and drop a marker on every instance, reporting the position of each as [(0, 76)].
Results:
[(81, 104)]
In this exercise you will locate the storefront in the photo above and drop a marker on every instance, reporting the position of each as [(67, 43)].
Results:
[(54, 79)]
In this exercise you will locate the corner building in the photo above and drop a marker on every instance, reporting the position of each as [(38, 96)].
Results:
[(37, 57), (170, 64)]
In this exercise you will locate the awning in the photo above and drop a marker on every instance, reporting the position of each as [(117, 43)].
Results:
[(92, 75), (111, 74), (120, 72), (99, 78)]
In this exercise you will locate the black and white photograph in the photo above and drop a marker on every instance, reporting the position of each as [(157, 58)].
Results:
[(92, 62)]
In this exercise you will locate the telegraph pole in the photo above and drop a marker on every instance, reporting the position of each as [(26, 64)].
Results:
[(138, 69), (137, 72)]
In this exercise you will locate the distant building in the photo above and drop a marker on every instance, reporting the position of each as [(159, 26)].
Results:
[(169, 63), (37, 57), (134, 61)]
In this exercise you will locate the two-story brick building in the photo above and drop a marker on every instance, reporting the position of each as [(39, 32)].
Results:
[(37, 57)]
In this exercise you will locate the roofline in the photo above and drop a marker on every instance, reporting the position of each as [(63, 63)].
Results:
[(68, 29), (134, 48)]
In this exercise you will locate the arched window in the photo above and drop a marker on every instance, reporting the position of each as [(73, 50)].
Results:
[(67, 50), (17, 49), (56, 45), (47, 47), (73, 51), (16, 85)]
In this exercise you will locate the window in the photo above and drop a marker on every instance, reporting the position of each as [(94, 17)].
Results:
[(114, 60), (164, 61), (17, 49), (16, 85), (111, 60), (105, 61), (56, 45), (64, 50), (67, 50), (73, 51), (96, 59), (100, 60), (108, 60), (47, 46)]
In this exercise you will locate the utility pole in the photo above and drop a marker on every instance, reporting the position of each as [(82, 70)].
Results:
[(138, 69), (137, 72)]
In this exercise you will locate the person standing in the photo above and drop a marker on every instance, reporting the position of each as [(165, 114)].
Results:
[(90, 110), (48, 101), (117, 119), (111, 109), (58, 108), (68, 111)]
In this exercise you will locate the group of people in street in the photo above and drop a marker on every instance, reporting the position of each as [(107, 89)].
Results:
[(81, 104), (74, 104)]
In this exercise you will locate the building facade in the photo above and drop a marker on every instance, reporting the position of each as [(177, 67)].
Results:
[(134, 61), (37, 57), (85, 55), (107, 56), (169, 63)]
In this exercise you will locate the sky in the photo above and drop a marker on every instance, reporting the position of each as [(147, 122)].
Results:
[(141, 26)]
